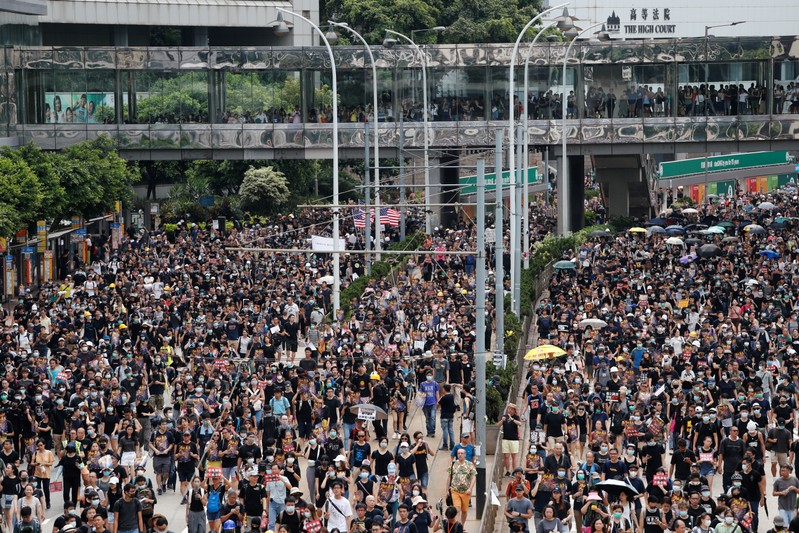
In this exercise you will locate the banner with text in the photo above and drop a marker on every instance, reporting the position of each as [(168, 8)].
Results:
[(723, 163)]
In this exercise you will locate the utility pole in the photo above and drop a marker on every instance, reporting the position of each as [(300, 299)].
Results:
[(402, 177), (517, 257), (480, 356), (367, 230), (499, 267)]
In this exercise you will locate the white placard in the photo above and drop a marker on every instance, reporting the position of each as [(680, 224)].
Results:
[(325, 244)]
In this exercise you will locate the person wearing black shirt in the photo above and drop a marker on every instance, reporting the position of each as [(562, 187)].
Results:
[(289, 517), (447, 408), (253, 496), (510, 425), (752, 480), (681, 461), (731, 452)]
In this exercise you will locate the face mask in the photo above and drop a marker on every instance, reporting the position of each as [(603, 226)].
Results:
[(633, 474), (616, 515), (270, 458), (677, 488), (312, 442), (95, 502), (196, 486), (307, 514), (736, 484), (383, 445), (630, 452), (429, 378), (706, 493), (561, 473), (603, 448), (580, 475), (533, 449), (706, 524), (290, 460), (416, 492), (683, 512), (364, 475), (289, 509), (705, 419), (728, 519)]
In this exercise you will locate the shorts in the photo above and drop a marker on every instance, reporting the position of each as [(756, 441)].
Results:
[(157, 402), (161, 464), (779, 457), (213, 516), (185, 471), (128, 459), (460, 500), (230, 472), (291, 346), (7, 501), (467, 426), (510, 446), (706, 469)]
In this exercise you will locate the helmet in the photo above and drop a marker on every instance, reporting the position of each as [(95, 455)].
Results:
[(229, 524)]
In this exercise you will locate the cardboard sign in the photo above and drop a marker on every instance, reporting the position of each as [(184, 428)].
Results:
[(682, 304), (214, 471), (220, 364), (271, 478), (61, 376)]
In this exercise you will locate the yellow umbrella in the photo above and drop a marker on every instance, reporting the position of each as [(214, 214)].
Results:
[(545, 351), (637, 230)]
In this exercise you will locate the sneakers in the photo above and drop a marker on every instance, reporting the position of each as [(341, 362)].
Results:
[(160, 492), (183, 501), (395, 435)]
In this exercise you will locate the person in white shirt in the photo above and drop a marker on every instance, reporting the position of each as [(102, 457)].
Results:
[(338, 510)]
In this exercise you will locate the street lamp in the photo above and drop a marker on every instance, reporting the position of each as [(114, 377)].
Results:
[(346, 27), (564, 212), (336, 254), (388, 43), (515, 220), (525, 150)]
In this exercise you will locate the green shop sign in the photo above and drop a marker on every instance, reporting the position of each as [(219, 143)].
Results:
[(722, 163), (468, 184)]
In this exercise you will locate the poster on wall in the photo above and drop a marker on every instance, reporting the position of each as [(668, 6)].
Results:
[(91, 108)]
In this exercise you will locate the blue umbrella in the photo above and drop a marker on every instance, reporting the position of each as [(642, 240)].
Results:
[(771, 254), (565, 265), (656, 222), (674, 231)]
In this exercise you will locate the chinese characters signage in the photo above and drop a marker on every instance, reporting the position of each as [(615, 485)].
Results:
[(642, 21)]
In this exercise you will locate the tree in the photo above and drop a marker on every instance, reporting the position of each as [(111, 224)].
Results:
[(263, 190), (94, 177), (20, 195), (45, 166), (373, 17)]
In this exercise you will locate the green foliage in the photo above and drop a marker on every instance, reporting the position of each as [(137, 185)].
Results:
[(591, 193), (373, 17), (488, 21), (264, 190), (589, 217), (497, 392), (513, 333), (20, 195), (621, 222), (685, 201), (95, 177), (45, 166)]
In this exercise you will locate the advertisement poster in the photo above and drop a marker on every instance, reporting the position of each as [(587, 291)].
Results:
[(77, 107)]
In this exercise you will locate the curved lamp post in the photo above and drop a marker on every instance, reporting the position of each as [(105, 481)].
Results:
[(515, 223), (376, 130), (336, 207), (564, 212)]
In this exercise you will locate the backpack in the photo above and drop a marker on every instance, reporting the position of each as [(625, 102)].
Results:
[(214, 502)]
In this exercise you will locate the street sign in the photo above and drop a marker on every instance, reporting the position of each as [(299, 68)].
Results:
[(468, 184), (722, 163), (27, 250), (367, 413), (41, 235)]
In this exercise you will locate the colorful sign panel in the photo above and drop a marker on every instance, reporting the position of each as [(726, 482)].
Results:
[(82, 108), (41, 236)]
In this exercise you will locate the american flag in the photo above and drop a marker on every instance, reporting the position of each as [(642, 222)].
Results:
[(389, 217), (359, 216)]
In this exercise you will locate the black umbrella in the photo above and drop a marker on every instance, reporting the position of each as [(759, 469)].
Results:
[(709, 250), (599, 234), (656, 222), (615, 487), (693, 241)]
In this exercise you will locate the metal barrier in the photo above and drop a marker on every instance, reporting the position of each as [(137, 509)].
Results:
[(493, 513)]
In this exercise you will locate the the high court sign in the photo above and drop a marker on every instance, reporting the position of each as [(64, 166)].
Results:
[(647, 19)]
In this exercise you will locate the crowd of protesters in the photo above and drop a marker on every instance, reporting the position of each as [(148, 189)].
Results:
[(185, 362), (674, 406)]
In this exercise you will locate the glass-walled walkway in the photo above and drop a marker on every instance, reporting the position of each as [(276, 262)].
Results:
[(617, 80)]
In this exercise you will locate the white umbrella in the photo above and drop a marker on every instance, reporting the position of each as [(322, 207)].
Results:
[(593, 323), (676, 241), (326, 279), (690, 211), (765, 206)]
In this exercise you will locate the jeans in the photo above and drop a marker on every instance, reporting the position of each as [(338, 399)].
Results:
[(430, 417), (446, 429), (274, 510), (128, 531), (787, 515), (755, 513), (424, 478), (347, 431)]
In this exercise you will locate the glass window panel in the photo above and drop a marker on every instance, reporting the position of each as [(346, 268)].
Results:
[(100, 104), (786, 87), (64, 97), (458, 93), (498, 91), (729, 88), (409, 87)]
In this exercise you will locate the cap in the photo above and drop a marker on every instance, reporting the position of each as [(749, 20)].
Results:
[(518, 470), (751, 426), (113, 481), (511, 406), (737, 477), (779, 521), (296, 490), (375, 376), (614, 369), (520, 487), (229, 524), (340, 458), (417, 500)]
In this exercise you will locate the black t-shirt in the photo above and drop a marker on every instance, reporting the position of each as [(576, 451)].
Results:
[(253, 498), (290, 520), (510, 430), (128, 514), (554, 424), (447, 406)]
